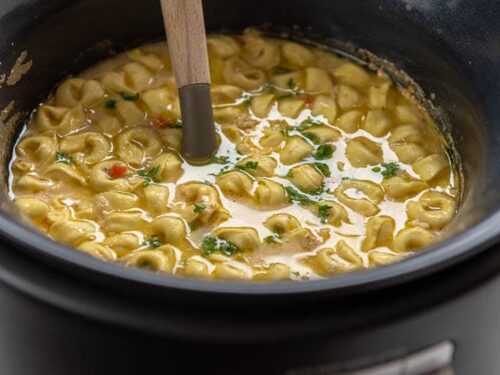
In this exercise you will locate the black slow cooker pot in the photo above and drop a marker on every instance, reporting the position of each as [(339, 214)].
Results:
[(62, 312)]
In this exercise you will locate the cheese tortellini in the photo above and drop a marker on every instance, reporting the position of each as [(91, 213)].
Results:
[(324, 166)]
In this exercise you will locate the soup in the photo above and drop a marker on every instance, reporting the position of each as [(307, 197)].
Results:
[(324, 166)]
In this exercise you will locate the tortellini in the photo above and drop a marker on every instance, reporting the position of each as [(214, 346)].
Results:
[(317, 81), (323, 166), (239, 73), (37, 151), (235, 184), (306, 178), (295, 150), (97, 250), (76, 91), (269, 194), (172, 230), (93, 147), (168, 167), (379, 232), (102, 179), (34, 209), (282, 223), (132, 77), (412, 238), (118, 222), (135, 144), (370, 195), (72, 232), (400, 187), (261, 53), (259, 165), (340, 259), (433, 208), (362, 152), (297, 54), (114, 200), (245, 239), (199, 202), (161, 259), (377, 123), (352, 74), (61, 120)]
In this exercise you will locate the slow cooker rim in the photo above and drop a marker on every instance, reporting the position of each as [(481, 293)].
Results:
[(435, 258)]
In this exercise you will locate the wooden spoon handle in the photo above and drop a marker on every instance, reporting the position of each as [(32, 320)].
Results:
[(187, 40)]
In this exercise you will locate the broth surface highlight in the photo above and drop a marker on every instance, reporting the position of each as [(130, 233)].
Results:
[(323, 167)]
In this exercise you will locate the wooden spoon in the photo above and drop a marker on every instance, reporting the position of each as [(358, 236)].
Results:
[(187, 43)]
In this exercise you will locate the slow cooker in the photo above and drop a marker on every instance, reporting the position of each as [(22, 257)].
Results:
[(62, 312)]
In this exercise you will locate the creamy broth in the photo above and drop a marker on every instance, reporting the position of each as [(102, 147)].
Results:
[(323, 167)]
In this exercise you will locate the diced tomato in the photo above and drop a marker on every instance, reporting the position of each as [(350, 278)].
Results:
[(159, 122), (308, 100), (117, 171)]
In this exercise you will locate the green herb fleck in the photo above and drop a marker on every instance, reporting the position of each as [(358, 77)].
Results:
[(272, 239), (322, 189), (61, 157), (219, 159), (323, 168), (295, 196), (285, 132), (323, 152), (130, 96), (281, 70), (177, 124), (153, 242), (247, 100), (150, 175), (290, 173), (182, 262), (286, 96), (389, 169), (323, 212), (248, 165), (110, 103), (199, 208), (213, 244), (308, 123), (193, 226), (313, 137), (296, 273), (294, 90)]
